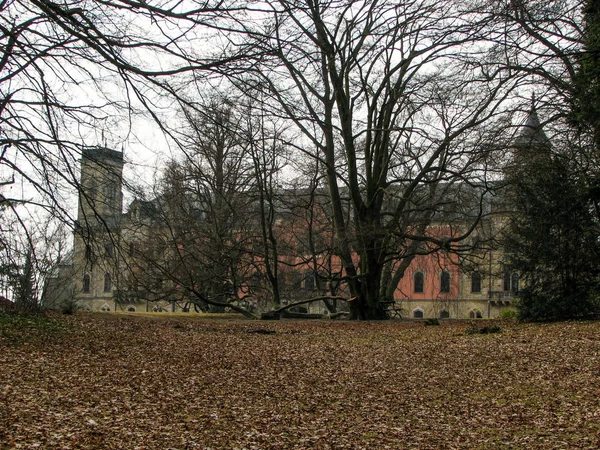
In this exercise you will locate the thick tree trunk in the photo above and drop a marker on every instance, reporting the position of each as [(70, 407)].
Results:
[(367, 302)]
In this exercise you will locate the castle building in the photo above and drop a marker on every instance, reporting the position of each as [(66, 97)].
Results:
[(104, 270)]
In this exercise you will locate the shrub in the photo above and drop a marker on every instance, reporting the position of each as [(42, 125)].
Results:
[(487, 329), (508, 313), (430, 322), (69, 306)]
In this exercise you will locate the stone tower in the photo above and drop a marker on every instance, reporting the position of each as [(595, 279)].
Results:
[(97, 233)]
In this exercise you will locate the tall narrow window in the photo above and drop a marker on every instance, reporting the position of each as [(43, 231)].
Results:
[(514, 281), (507, 281), (418, 279), (107, 282), (475, 282), (445, 282), (110, 192), (86, 282), (89, 254), (309, 281)]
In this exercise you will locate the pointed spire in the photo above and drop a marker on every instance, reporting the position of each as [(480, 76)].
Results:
[(532, 134)]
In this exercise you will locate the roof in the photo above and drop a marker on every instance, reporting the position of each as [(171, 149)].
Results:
[(532, 132), (101, 154)]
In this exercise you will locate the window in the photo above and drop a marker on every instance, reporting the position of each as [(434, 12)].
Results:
[(107, 282), (418, 279), (309, 281), (444, 314), (476, 282), (514, 281), (322, 276), (108, 249), (86, 282), (89, 254), (511, 282), (418, 314), (445, 282), (109, 191), (334, 283), (507, 281), (131, 309), (295, 280), (256, 281), (475, 314)]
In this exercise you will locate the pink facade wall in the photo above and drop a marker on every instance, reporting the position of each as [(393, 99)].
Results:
[(431, 267)]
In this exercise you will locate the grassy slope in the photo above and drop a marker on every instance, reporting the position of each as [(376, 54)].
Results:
[(125, 381)]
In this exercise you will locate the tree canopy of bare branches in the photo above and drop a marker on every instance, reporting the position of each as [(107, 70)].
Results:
[(405, 105)]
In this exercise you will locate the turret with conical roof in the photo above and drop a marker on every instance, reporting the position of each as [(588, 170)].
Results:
[(531, 140)]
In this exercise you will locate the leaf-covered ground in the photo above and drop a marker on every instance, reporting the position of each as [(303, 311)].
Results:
[(168, 382)]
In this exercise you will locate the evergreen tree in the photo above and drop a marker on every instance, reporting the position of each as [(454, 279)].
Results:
[(587, 80), (552, 240), (25, 295), (585, 112)]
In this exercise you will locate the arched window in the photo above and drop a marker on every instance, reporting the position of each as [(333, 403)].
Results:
[(445, 282), (107, 282), (87, 281), (418, 279), (131, 309), (444, 314), (514, 281), (476, 282), (418, 313), (475, 314)]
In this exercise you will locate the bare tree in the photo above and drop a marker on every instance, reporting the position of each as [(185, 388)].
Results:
[(77, 74), (392, 99), (398, 101), (202, 210)]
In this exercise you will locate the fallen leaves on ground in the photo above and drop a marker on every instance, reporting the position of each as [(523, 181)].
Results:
[(136, 382)]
